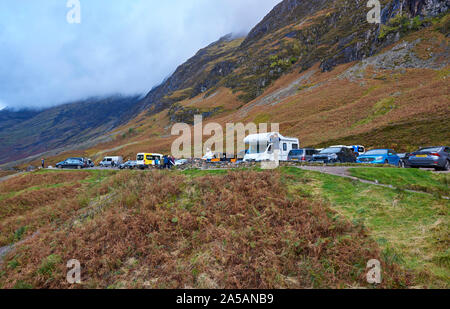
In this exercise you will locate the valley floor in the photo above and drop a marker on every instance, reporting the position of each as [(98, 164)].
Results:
[(243, 228)]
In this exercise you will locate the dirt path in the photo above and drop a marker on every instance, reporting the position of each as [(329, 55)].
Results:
[(7, 249), (2, 179)]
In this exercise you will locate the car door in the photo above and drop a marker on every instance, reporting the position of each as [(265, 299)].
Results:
[(351, 156), (346, 155), (447, 153), (392, 157), (342, 156)]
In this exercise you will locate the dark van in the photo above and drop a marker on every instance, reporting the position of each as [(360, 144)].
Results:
[(302, 155)]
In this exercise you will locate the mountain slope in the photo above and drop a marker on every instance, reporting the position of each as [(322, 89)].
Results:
[(319, 70), (295, 35), (26, 133)]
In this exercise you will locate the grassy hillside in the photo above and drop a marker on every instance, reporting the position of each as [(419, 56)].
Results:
[(218, 229)]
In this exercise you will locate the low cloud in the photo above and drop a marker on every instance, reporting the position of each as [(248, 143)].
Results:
[(121, 46)]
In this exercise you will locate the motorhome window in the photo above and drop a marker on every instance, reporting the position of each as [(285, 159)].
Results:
[(140, 158), (294, 146), (284, 147), (257, 148), (109, 160), (361, 149)]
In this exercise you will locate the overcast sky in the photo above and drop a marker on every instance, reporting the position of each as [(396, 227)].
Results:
[(120, 46)]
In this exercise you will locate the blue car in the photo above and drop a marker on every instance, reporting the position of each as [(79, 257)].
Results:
[(380, 156)]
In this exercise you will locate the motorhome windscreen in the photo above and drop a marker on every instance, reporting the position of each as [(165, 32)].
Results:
[(257, 148)]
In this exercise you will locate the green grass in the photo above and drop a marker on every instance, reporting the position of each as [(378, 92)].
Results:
[(412, 179), (411, 228)]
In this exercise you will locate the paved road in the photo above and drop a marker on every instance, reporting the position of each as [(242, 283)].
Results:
[(343, 171)]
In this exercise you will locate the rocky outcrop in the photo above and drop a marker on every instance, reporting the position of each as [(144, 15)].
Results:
[(330, 32), (182, 114)]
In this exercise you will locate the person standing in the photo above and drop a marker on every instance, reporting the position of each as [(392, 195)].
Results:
[(276, 140), (43, 163)]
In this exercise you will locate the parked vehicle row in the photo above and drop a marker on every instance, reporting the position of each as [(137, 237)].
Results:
[(429, 157), (269, 146)]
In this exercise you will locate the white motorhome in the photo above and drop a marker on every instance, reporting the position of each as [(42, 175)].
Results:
[(260, 147)]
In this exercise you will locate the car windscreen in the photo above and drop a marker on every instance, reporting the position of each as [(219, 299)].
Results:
[(297, 152), (433, 149), (331, 150), (376, 152)]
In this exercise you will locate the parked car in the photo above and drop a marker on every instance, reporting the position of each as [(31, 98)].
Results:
[(357, 149), (403, 159), (380, 156), (76, 163), (431, 157), (111, 161), (87, 162), (335, 155), (302, 155), (181, 162), (128, 165)]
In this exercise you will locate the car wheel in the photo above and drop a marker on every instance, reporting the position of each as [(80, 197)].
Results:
[(447, 166)]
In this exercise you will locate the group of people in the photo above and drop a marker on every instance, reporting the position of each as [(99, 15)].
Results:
[(167, 162)]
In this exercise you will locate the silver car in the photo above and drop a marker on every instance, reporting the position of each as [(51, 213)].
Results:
[(431, 157)]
